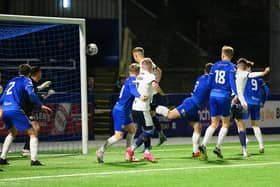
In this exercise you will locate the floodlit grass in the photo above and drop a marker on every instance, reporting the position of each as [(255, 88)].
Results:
[(175, 167)]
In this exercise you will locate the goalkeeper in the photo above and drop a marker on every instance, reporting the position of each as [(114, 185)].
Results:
[(36, 75)]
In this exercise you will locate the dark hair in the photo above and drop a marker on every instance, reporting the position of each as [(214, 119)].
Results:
[(208, 67), (35, 70), (250, 64), (24, 69), (242, 61)]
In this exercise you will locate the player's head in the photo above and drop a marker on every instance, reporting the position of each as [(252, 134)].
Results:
[(208, 67), (242, 64), (24, 69), (250, 65), (138, 54), (134, 69), (147, 64), (36, 73), (227, 52)]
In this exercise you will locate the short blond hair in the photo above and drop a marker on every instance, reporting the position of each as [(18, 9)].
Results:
[(228, 51), (134, 68), (139, 50), (147, 61)]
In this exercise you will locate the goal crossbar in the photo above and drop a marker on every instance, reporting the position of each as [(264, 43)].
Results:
[(83, 68)]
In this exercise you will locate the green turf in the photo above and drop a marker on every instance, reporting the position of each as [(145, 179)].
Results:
[(175, 168)]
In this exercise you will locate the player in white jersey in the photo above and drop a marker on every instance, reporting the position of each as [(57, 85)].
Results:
[(138, 55), (241, 77), (146, 84)]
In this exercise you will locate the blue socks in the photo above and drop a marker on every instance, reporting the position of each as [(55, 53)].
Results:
[(242, 138)]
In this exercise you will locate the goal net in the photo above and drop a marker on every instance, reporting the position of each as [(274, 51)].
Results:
[(57, 45)]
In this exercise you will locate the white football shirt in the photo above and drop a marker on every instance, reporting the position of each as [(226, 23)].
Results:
[(144, 86), (241, 80)]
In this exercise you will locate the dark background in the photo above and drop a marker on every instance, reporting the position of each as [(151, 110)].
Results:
[(180, 36)]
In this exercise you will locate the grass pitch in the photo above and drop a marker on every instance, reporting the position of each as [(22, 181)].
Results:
[(175, 168)]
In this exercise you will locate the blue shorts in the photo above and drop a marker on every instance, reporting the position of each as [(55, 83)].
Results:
[(121, 119), (254, 111), (16, 118), (189, 109), (219, 106)]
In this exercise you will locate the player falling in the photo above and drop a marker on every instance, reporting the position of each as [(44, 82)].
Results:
[(15, 95), (121, 114), (28, 107), (138, 56), (146, 84), (190, 107)]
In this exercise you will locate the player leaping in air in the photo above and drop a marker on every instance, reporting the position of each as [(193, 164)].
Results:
[(15, 95), (190, 106), (138, 56), (121, 114)]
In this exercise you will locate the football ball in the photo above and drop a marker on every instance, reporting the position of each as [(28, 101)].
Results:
[(92, 49)]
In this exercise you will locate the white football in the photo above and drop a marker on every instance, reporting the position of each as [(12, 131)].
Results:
[(92, 49)]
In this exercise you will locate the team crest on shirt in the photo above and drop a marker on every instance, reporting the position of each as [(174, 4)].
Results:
[(183, 112)]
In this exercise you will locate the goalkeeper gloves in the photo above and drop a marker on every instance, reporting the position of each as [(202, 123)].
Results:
[(50, 92), (44, 85)]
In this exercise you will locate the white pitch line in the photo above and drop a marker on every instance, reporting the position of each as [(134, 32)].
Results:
[(136, 171)]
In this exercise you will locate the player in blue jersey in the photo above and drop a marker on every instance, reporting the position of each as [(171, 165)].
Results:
[(17, 91), (121, 113), (256, 94), (222, 84), (190, 107)]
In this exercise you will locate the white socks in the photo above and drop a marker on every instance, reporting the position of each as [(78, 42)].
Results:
[(195, 141), (33, 148), (6, 146), (258, 134), (162, 110), (222, 134), (208, 135), (129, 139), (112, 140)]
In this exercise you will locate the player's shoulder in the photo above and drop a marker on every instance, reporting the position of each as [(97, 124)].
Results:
[(203, 77), (130, 79)]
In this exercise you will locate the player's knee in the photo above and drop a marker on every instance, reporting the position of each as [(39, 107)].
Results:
[(36, 126), (118, 136), (254, 124), (147, 134), (197, 128), (13, 132), (32, 132)]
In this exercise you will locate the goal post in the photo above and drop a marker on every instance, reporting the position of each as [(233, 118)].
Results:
[(82, 56)]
